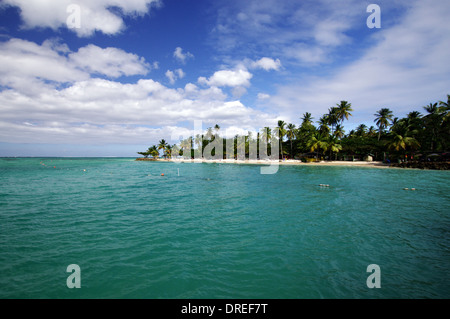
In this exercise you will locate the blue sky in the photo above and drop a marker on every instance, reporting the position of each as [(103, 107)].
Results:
[(133, 72)]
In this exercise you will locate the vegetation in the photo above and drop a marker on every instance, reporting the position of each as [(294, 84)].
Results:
[(392, 139)]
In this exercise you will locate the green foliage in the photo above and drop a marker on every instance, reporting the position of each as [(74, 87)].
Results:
[(394, 137)]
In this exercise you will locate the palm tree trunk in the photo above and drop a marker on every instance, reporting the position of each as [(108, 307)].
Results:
[(281, 148), (292, 155)]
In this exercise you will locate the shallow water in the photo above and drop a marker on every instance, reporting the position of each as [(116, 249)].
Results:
[(220, 230)]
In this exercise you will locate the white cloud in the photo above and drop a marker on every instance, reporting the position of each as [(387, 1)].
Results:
[(171, 76), (276, 27), (111, 62), (407, 67), (267, 64), (331, 32), (24, 65), (238, 91), (182, 57), (89, 112), (95, 15), (231, 78), (307, 54), (263, 96), (30, 68), (180, 73), (175, 75), (52, 95)]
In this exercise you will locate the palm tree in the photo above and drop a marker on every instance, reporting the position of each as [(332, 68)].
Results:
[(307, 118), (186, 145), (163, 145), (432, 108), (332, 117), (240, 144), (445, 126), (152, 151), (323, 125), (445, 105), (198, 140), (414, 121), (361, 130), (433, 121), (266, 138), (371, 131), (209, 133), (290, 133), (351, 134), (333, 145), (168, 151), (317, 142), (394, 122), (401, 139), (175, 150), (343, 111), (339, 131), (414, 115), (266, 134), (280, 133), (383, 118), (145, 154), (400, 142)]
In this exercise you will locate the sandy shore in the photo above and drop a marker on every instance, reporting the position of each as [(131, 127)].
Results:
[(285, 162)]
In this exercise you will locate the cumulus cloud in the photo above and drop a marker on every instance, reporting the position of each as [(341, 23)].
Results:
[(94, 15), (267, 64), (230, 78), (52, 95), (111, 62), (181, 56), (91, 110), (171, 76), (175, 75), (29, 67)]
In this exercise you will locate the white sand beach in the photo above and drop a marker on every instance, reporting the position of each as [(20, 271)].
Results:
[(282, 162)]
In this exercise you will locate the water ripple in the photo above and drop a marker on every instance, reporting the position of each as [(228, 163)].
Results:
[(220, 231)]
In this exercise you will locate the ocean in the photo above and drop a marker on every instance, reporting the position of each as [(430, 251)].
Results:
[(220, 230)]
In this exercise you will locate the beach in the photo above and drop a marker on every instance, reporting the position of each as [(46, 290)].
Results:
[(274, 162)]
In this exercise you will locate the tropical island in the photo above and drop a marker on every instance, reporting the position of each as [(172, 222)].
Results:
[(415, 141)]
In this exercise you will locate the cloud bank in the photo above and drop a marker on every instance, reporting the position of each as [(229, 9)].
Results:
[(94, 15)]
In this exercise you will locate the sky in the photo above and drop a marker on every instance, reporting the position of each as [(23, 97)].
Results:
[(113, 77)]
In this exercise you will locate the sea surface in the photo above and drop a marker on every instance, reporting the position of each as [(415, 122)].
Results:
[(220, 230)]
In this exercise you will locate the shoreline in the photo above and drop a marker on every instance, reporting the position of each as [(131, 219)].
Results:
[(274, 162)]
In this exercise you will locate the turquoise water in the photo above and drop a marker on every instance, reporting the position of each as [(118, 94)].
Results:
[(220, 230)]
